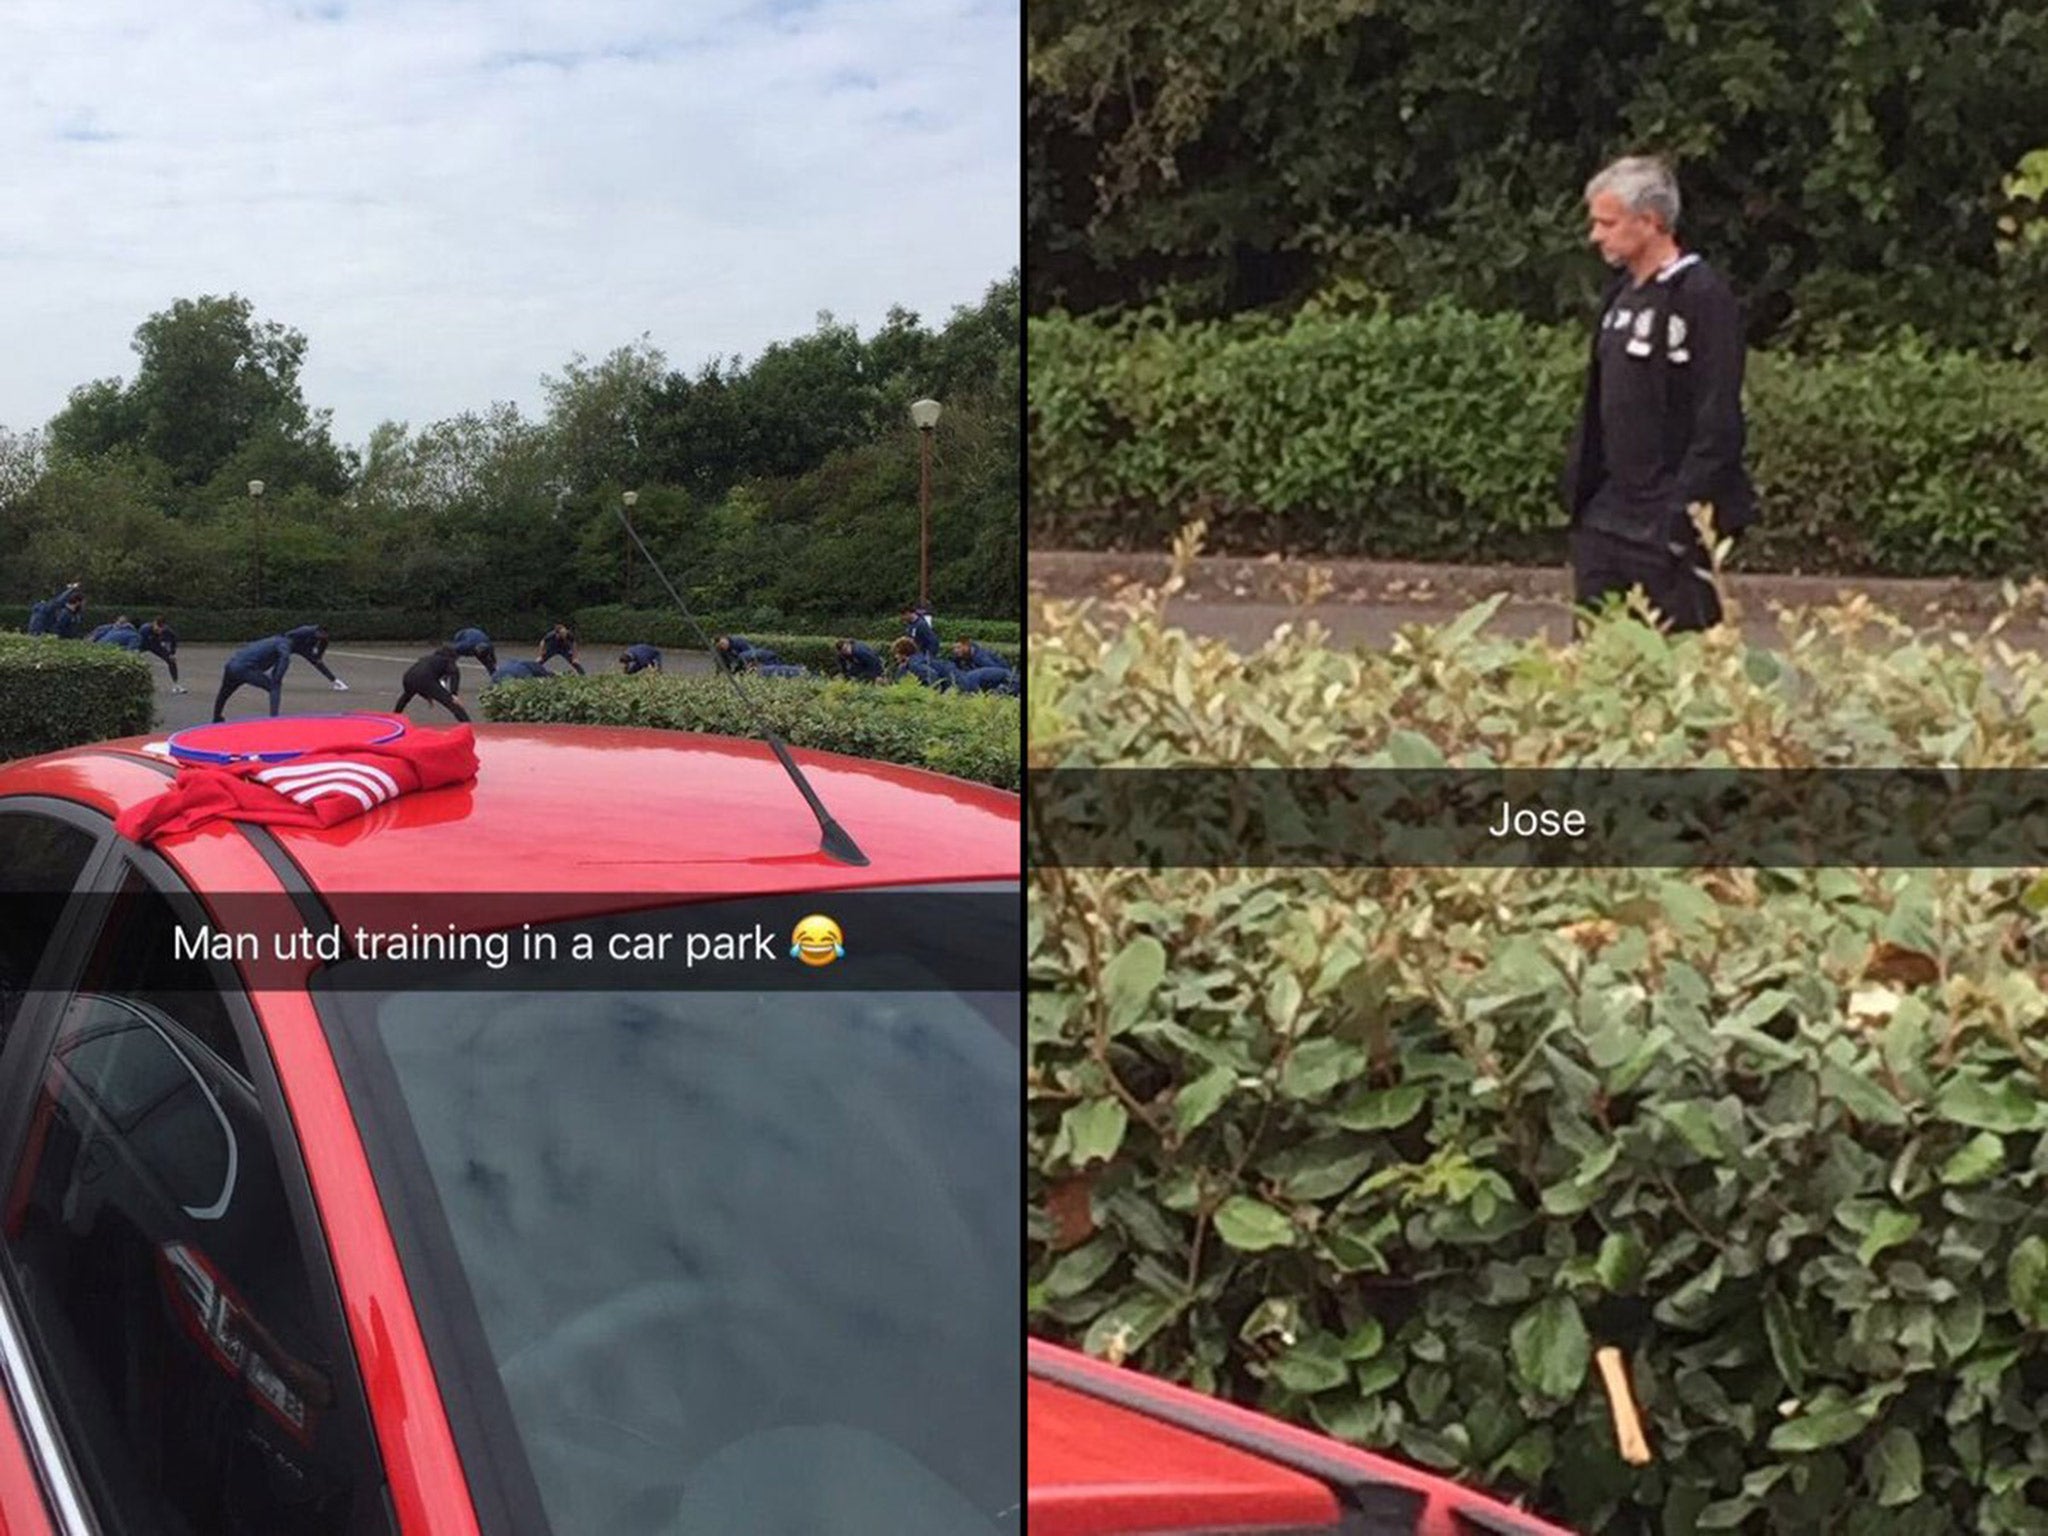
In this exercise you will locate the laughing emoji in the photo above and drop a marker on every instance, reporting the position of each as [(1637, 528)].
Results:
[(817, 941)]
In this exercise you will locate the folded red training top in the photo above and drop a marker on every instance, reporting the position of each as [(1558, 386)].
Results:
[(299, 771)]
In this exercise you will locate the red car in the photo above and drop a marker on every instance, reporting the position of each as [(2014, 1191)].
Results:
[(486, 1245), (1118, 1453)]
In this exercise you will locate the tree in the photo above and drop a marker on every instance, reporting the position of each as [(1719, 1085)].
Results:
[(1841, 162), (212, 383), (598, 415)]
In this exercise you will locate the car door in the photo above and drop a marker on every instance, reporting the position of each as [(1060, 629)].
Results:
[(47, 849), (160, 1265)]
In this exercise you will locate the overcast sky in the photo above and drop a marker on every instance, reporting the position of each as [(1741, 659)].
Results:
[(452, 197)]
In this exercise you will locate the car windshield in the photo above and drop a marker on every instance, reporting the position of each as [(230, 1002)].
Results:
[(724, 1261)]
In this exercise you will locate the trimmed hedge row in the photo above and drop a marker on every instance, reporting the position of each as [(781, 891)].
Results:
[(1440, 435), (514, 633), (56, 694), (234, 626), (1393, 1153), (970, 736), (665, 627), (821, 652)]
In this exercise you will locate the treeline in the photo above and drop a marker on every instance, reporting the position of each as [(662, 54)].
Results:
[(775, 490), (1858, 170)]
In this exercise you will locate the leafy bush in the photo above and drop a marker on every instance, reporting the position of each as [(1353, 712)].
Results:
[(1440, 435), (58, 693), (1392, 1153), (970, 736)]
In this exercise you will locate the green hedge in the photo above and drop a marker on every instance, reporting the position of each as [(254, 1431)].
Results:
[(1440, 435), (514, 633), (1391, 1153), (59, 693), (665, 627), (970, 736), (818, 652)]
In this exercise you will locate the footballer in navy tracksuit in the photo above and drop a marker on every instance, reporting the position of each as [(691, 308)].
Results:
[(1660, 427), (969, 657), (560, 641), (310, 641), (917, 624), (42, 619), (474, 642), (639, 658), (121, 632), (261, 664), (730, 652), (513, 670), (859, 662), (161, 641)]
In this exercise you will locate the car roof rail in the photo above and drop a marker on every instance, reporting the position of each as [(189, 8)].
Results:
[(837, 842)]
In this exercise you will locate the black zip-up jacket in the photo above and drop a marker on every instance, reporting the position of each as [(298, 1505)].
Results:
[(1673, 350)]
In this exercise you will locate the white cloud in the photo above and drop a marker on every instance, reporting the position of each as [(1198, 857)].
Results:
[(450, 197)]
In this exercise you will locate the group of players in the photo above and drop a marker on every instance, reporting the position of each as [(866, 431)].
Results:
[(436, 677)]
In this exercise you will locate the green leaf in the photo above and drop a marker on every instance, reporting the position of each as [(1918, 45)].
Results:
[(1125, 1328), (1365, 1341), (1383, 1111), (2026, 1281), (1693, 1119), (1131, 978), (1977, 1158), (1781, 1329), (2003, 1107), (1456, 634), (1406, 749), (1283, 1001), (1378, 1374), (1315, 1067), (1080, 1269), (1860, 1096), (1550, 1346), (1200, 1099), (1093, 1131), (1818, 1431), (1887, 1230), (1621, 1262), (1893, 1468), (1313, 1365), (1251, 1226)]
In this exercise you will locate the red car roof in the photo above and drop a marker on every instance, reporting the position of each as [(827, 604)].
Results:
[(559, 810), (1101, 1470), (1153, 1434)]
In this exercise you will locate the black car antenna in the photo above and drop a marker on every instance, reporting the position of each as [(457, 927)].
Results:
[(837, 843)]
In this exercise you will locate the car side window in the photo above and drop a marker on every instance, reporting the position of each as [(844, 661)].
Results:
[(168, 1301), (41, 859)]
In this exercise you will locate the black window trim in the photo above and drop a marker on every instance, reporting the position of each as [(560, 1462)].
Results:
[(33, 1037)]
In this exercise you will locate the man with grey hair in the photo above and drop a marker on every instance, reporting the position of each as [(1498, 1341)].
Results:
[(1660, 426)]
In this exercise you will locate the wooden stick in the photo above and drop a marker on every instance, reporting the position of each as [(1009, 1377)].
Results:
[(1628, 1423)]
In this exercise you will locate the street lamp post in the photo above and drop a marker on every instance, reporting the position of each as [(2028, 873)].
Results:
[(925, 413), (631, 498), (256, 506)]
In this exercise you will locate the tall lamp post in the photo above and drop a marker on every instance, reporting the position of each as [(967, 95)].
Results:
[(925, 413), (631, 499), (256, 506)]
